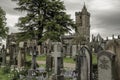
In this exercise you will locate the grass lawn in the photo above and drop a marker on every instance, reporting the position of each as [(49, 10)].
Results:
[(94, 59), (69, 60), (66, 59), (39, 58), (4, 76)]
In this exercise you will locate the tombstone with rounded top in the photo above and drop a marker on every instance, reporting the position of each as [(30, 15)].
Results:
[(106, 65)]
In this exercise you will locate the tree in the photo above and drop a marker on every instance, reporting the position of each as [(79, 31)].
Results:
[(45, 19), (3, 28)]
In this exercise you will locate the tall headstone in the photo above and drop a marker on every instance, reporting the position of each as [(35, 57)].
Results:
[(74, 50), (106, 64), (49, 62), (84, 64), (21, 54), (34, 55), (13, 53), (3, 53), (49, 58), (68, 49), (58, 60), (114, 46), (64, 49)]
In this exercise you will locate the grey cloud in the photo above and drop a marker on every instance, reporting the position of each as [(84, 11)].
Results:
[(8, 6), (107, 22), (13, 29)]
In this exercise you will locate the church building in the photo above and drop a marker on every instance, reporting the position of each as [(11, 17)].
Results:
[(82, 32)]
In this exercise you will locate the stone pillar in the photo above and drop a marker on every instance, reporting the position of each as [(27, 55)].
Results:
[(106, 62)]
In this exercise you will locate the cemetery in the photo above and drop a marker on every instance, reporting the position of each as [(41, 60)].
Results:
[(51, 55)]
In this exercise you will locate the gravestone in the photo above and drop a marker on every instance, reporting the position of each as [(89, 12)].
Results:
[(32, 73), (74, 50), (13, 53), (84, 64), (49, 58), (3, 55), (58, 61), (114, 46), (12, 48), (49, 62), (21, 54), (64, 50), (106, 64), (34, 55)]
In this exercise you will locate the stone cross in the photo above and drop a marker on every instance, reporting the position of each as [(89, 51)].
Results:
[(56, 55), (58, 64), (106, 64)]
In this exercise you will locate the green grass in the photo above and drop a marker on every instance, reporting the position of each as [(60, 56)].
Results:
[(39, 58), (69, 60), (66, 59), (4, 76), (94, 59), (42, 65)]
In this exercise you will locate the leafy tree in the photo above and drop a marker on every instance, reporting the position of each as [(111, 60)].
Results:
[(44, 19), (3, 28)]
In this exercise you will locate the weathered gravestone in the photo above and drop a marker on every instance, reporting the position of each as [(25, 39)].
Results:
[(49, 58), (58, 61), (34, 55), (3, 55), (74, 50), (21, 54), (32, 73), (106, 65), (84, 64), (114, 46), (49, 62), (13, 53)]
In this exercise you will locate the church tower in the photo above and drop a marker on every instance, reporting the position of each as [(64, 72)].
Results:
[(83, 24)]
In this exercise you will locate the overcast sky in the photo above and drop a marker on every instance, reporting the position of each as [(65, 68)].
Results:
[(105, 14)]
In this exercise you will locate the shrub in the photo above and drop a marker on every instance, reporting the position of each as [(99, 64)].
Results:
[(5, 69)]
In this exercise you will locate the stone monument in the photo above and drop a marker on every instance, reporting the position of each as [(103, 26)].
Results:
[(58, 61), (84, 64), (106, 64)]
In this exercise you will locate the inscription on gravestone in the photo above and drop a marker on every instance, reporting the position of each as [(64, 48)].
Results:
[(106, 65)]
